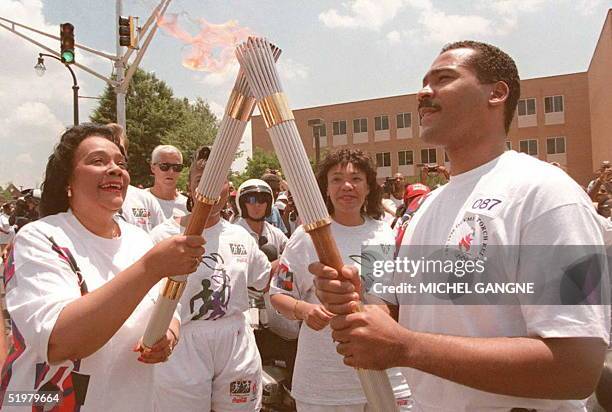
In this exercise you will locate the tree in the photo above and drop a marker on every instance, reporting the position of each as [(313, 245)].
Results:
[(154, 117), (257, 166)]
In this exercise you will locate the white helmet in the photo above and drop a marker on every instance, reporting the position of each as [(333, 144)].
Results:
[(249, 187)]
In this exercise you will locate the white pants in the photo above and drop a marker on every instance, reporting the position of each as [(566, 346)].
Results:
[(216, 366), (403, 404)]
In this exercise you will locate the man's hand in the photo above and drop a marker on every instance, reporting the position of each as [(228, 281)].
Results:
[(339, 295), (370, 339)]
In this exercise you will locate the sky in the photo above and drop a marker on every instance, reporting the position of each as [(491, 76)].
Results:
[(333, 52)]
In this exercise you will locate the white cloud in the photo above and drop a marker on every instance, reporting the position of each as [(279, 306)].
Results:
[(368, 14), (290, 69), (223, 78), (588, 7), (441, 27), (216, 109), (393, 37), (35, 109)]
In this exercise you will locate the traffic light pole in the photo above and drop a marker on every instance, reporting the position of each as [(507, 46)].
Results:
[(120, 71), (122, 80), (75, 87)]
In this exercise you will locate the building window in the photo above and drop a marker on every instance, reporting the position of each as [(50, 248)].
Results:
[(405, 157), (529, 146), (555, 145), (360, 125), (321, 129), (339, 127), (553, 104), (428, 156), (508, 145), (383, 159), (381, 123), (526, 107), (404, 120), (446, 159)]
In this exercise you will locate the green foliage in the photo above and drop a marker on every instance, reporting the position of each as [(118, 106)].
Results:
[(5, 195), (154, 117), (256, 166)]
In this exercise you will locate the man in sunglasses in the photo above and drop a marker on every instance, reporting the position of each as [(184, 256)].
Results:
[(139, 207), (254, 202), (166, 166)]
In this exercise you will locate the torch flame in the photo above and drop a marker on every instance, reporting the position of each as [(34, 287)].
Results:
[(212, 49)]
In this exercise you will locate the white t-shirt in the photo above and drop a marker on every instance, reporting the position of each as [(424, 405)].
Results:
[(172, 208), (529, 203), (141, 208), (232, 262), (274, 235), (320, 377), (5, 238), (40, 283), (286, 328), (392, 204)]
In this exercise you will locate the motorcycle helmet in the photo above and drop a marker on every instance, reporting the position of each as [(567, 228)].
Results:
[(250, 187)]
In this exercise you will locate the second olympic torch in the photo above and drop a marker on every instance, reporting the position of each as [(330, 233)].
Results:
[(237, 114), (256, 59)]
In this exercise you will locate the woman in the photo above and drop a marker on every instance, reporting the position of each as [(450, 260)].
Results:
[(217, 365), (80, 284), (321, 382)]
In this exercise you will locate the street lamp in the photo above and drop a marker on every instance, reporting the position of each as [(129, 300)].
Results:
[(316, 132), (40, 71)]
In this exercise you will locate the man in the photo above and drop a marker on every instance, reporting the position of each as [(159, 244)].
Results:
[(600, 188), (6, 232), (474, 357), (396, 195), (254, 202), (139, 207), (166, 166), (274, 181)]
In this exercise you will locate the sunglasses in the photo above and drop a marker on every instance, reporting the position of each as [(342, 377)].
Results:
[(256, 198), (164, 167)]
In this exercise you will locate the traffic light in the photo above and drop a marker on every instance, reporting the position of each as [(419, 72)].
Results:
[(127, 32), (67, 43)]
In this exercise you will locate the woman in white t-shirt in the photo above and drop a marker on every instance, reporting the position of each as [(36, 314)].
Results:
[(81, 283), (321, 382), (217, 365)]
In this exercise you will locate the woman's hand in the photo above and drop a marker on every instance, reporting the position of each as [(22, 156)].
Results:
[(160, 352), (178, 255), (315, 316)]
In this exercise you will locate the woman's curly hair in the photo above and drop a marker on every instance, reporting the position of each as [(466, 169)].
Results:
[(363, 162), (60, 166)]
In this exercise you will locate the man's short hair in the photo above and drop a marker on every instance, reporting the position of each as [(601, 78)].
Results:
[(164, 148), (491, 65)]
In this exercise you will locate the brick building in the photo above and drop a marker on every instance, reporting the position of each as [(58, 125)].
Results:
[(565, 118)]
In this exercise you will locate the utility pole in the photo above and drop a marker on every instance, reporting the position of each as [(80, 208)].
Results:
[(120, 70)]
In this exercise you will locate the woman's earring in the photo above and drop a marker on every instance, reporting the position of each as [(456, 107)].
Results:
[(69, 191)]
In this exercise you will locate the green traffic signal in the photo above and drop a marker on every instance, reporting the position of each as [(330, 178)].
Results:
[(67, 43), (68, 56)]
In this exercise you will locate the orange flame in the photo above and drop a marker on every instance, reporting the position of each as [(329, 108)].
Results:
[(212, 49)]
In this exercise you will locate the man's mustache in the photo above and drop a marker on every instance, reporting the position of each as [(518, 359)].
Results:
[(428, 103)]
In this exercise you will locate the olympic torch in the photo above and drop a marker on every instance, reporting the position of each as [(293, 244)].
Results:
[(256, 59), (237, 114)]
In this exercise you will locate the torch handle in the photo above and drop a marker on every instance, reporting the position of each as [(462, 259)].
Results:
[(173, 287), (375, 384), (199, 217)]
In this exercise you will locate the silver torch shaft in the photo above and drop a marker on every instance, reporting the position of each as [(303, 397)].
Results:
[(255, 57), (237, 114)]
